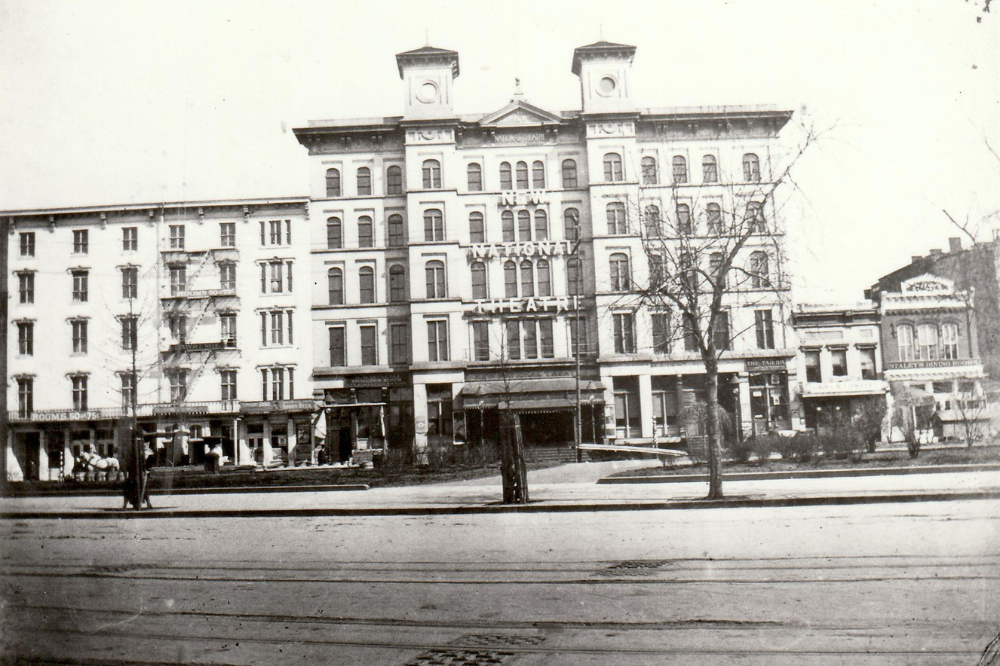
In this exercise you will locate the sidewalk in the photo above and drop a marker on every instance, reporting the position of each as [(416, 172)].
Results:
[(571, 487)]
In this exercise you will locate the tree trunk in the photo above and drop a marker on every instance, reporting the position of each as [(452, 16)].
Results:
[(512, 470), (714, 431)]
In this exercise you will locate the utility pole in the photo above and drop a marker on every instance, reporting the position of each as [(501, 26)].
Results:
[(4, 244)]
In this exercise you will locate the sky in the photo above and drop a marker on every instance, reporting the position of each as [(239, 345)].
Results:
[(113, 102)]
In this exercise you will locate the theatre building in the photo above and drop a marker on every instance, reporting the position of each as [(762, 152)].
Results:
[(460, 261), (189, 318)]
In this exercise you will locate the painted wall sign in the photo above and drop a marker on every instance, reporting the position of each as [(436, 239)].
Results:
[(378, 380), (766, 364), (529, 249), (523, 198), (67, 415), (518, 305), (519, 137)]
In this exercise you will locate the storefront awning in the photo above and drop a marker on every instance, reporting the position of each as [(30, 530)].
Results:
[(517, 387), (532, 395)]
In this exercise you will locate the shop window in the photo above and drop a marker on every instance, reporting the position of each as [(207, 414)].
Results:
[(942, 387), (627, 410), (439, 410), (666, 407)]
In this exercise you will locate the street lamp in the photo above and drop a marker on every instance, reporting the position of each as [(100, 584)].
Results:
[(481, 403)]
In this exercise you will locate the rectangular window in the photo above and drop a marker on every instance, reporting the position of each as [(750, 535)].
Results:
[(277, 282), (338, 347), (867, 362), (130, 332), (80, 293), (178, 280), (25, 338), (399, 350), (813, 372), (512, 329), (764, 325), (79, 393), (177, 324), (277, 384), (176, 236), (369, 345), (437, 340), (277, 327), (721, 331), (227, 379), (661, 333), (624, 333), (228, 329), (838, 358), (481, 340), (227, 234), (545, 333), (128, 389), (130, 239), (25, 396), (27, 243), (130, 282), (81, 241), (26, 287), (530, 341), (439, 410), (275, 226), (227, 276)]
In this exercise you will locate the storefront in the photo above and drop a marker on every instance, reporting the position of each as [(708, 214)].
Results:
[(372, 413), (770, 408), (277, 432), (47, 445)]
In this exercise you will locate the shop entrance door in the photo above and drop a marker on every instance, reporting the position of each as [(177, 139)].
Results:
[(30, 444)]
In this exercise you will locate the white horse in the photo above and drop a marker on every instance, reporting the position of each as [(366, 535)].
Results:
[(93, 464)]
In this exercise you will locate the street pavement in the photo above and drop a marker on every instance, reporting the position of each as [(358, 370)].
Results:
[(571, 487)]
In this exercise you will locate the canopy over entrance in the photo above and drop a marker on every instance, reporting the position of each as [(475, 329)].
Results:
[(537, 395)]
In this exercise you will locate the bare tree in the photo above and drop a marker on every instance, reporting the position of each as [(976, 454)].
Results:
[(699, 271), (972, 414)]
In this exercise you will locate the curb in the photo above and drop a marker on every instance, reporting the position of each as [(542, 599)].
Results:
[(805, 474), (167, 492), (540, 507)]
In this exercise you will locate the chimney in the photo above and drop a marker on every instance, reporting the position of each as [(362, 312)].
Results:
[(936, 253), (955, 244), (915, 258)]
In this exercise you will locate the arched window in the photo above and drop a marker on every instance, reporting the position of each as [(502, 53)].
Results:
[(759, 270), (684, 226), (366, 284), (541, 225), (751, 168), (904, 341), (652, 217), (527, 279), (616, 218), (364, 181), (477, 228), (432, 174), (394, 180), (714, 218), (434, 272), (613, 172), (649, 171), (574, 278), (569, 180), (510, 279), (507, 225), (949, 341), (522, 175), (709, 169), (396, 232), (433, 225), (505, 176), (334, 234), (335, 285), (474, 174), (544, 277), (680, 170), (523, 226), (479, 280), (537, 174), (755, 217), (333, 182), (571, 224), (927, 342), (397, 284), (621, 277), (715, 268), (366, 234)]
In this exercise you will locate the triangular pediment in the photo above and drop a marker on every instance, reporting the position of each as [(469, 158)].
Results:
[(519, 114)]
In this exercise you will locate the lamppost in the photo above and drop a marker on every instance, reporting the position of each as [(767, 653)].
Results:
[(593, 422), (481, 403)]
